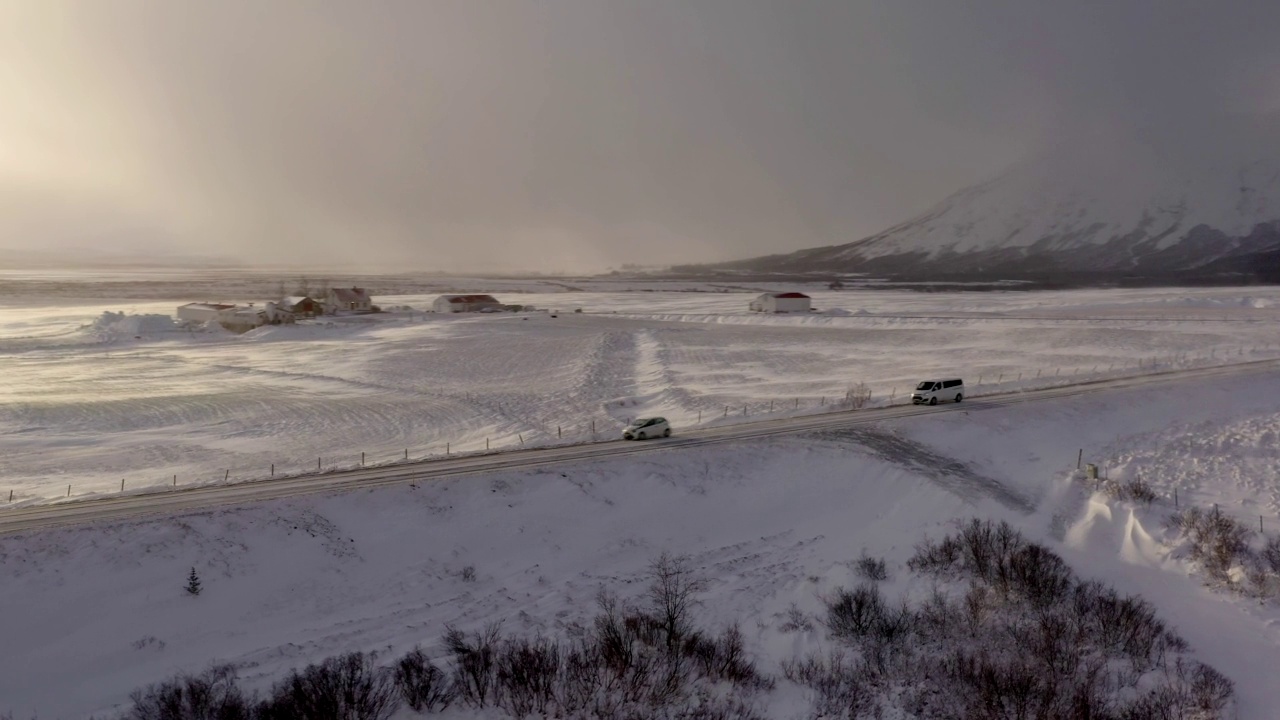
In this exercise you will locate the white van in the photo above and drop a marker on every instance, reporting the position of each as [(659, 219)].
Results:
[(932, 392)]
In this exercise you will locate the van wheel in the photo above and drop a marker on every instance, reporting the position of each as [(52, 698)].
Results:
[(666, 433), (933, 401), (959, 398)]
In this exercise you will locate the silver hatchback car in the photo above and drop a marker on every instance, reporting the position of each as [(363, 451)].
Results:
[(645, 428)]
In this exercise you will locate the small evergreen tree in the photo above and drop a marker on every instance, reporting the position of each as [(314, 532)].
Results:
[(193, 583)]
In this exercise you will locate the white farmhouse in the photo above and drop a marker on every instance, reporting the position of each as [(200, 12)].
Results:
[(203, 312), (353, 299), (786, 302), (466, 303)]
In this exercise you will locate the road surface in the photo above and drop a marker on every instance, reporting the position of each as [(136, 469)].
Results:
[(77, 512)]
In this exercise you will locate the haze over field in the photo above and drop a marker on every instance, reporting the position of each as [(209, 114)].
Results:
[(574, 135)]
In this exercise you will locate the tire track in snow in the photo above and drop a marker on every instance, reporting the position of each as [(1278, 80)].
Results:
[(952, 475)]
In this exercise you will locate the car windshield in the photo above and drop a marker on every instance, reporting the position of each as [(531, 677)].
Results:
[(927, 385), (640, 422)]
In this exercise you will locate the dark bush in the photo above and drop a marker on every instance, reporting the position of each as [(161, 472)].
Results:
[(423, 686), (347, 687), (527, 673), (1219, 542), (212, 695), (474, 663), (872, 569), (854, 614)]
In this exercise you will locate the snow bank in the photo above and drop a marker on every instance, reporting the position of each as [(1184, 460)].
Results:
[(112, 325)]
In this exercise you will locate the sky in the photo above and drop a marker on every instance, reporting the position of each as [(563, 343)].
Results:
[(575, 135)]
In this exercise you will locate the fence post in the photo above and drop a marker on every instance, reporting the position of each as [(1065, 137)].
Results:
[(273, 469), (1000, 379), (121, 484), (797, 403), (521, 436), (1019, 377), (1175, 498), (317, 463), (446, 448), (726, 411), (699, 416), (175, 481), (979, 379), (1079, 457), (1037, 373), (406, 453), (770, 406), (558, 433), (361, 458), (486, 443), (10, 496), (226, 476), (823, 400), (593, 427), (68, 491), (744, 411)]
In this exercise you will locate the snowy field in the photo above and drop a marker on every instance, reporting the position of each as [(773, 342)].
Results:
[(100, 387), (91, 613)]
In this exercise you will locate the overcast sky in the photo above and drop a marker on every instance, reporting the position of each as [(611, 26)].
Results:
[(573, 134)]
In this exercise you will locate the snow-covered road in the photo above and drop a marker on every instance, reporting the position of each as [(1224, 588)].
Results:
[(185, 499)]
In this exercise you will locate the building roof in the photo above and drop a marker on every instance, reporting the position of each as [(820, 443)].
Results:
[(292, 301), (470, 299), (352, 295), (795, 295), (209, 306)]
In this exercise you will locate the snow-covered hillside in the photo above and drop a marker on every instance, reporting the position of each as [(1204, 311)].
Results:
[(93, 612), (1058, 213)]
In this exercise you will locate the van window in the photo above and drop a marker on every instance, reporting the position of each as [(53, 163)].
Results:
[(926, 385), (950, 383)]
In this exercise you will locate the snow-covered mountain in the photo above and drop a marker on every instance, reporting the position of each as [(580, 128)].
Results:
[(1074, 216)]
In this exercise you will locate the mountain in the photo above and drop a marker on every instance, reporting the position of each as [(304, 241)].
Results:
[(1076, 217)]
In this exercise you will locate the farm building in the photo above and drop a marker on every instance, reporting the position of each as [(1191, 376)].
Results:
[(355, 299), (203, 312), (301, 306), (466, 303), (782, 303)]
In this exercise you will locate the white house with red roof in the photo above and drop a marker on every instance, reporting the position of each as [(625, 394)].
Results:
[(785, 302)]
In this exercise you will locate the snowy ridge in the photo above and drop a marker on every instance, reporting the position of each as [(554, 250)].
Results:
[(1056, 214)]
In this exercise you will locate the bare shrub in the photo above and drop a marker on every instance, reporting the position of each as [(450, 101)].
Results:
[(1036, 574), (672, 594), (841, 687), (853, 614), (474, 663), (212, 695), (1217, 541), (857, 396), (527, 672), (872, 569), (468, 574), (423, 686), (1136, 490), (796, 620), (347, 687)]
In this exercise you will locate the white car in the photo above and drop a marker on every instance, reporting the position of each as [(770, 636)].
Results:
[(645, 428)]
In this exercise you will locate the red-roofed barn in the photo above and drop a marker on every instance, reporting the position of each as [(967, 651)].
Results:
[(466, 303), (782, 303)]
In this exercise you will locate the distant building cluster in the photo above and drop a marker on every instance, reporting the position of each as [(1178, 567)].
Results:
[(242, 318)]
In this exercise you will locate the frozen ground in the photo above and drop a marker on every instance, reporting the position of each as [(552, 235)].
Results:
[(91, 613), (90, 399)]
